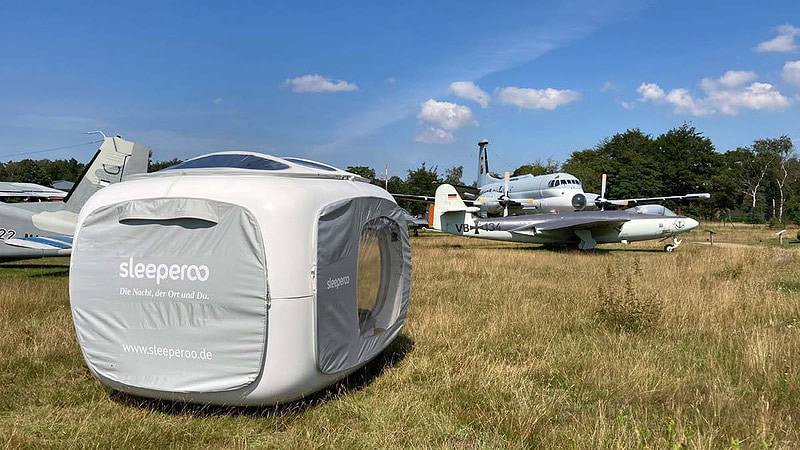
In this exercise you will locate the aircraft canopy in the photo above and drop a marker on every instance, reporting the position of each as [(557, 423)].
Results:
[(656, 210)]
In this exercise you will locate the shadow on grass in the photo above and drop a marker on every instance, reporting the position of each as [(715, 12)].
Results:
[(356, 381)]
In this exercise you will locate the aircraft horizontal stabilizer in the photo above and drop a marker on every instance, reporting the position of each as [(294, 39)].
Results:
[(414, 198), (9, 189), (42, 243)]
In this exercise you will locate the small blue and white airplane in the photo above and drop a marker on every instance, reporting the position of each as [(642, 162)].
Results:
[(36, 230)]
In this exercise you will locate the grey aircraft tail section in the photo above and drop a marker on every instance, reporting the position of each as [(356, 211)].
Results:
[(449, 209), (114, 161), (483, 164), (35, 230)]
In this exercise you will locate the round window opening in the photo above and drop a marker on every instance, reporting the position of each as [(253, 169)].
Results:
[(379, 264)]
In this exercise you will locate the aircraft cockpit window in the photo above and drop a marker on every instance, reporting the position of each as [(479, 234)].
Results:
[(230, 160), (658, 210), (311, 164)]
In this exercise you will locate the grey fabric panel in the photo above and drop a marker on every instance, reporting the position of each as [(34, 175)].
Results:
[(340, 344), (171, 303), (169, 209)]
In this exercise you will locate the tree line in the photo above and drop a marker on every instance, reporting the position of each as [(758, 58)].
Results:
[(756, 183), (46, 172)]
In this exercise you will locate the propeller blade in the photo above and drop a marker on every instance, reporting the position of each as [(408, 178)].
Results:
[(505, 194), (603, 187), (603, 192)]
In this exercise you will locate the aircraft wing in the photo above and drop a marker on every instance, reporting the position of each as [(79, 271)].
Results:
[(422, 198), (9, 189), (633, 201), (579, 221), (42, 242)]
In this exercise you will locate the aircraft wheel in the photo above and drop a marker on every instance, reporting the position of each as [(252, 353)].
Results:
[(669, 248)]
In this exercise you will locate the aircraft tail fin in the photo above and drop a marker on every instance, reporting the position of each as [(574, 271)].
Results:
[(449, 208), (115, 160), (483, 164)]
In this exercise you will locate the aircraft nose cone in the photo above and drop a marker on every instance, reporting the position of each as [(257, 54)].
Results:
[(691, 223), (579, 201)]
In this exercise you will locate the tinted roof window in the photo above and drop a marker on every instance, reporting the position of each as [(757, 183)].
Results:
[(311, 164), (231, 160)]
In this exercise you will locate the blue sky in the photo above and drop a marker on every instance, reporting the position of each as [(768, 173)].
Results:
[(371, 83)]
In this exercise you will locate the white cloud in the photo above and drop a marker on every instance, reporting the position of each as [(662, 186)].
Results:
[(218, 100), (317, 84), (628, 105), (650, 91), (608, 86), (433, 135), (391, 81), (446, 115), (440, 119), (549, 98), (730, 79), (685, 103), (783, 42), (791, 72), (726, 95), (469, 91)]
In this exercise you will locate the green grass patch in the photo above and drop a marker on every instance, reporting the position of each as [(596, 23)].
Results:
[(505, 346)]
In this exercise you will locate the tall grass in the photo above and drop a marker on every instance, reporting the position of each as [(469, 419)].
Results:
[(505, 346)]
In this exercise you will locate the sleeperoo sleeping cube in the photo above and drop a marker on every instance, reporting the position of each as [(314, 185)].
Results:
[(237, 278)]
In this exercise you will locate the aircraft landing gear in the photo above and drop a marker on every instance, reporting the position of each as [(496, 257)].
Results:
[(587, 241), (675, 243)]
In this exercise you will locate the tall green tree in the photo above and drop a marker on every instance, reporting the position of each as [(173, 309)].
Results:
[(421, 181), (453, 175), (29, 171), (537, 168), (688, 160), (588, 165), (726, 188), (362, 171), (778, 151)]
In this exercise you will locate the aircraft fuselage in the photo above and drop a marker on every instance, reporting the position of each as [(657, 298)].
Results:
[(538, 193), (601, 226)]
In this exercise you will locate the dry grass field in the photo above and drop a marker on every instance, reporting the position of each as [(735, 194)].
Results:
[(505, 346)]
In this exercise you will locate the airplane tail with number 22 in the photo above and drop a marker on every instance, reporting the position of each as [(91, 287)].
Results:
[(35, 230)]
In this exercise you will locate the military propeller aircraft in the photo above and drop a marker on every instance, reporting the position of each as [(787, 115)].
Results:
[(586, 229), (36, 230), (553, 192), (529, 194)]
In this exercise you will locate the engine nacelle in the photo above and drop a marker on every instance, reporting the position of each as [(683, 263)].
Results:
[(490, 203)]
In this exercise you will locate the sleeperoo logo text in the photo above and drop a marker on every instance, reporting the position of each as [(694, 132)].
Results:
[(161, 272)]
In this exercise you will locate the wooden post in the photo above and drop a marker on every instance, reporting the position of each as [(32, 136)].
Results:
[(711, 234)]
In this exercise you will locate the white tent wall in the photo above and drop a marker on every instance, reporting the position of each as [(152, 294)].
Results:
[(286, 209)]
